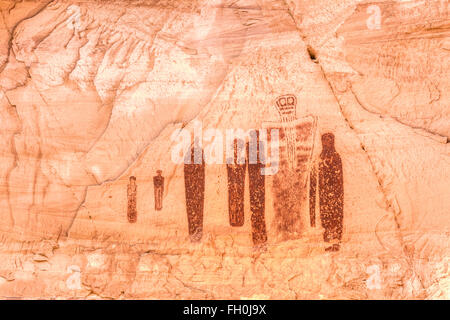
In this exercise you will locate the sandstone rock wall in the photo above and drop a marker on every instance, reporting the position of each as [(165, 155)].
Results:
[(95, 92)]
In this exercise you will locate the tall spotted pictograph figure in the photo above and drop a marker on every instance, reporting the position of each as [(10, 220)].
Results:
[(132, 193), (331, 193), (194, 184), (158, 185), (257, 189), (236, 183)]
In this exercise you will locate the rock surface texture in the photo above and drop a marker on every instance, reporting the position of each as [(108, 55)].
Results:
[(102, 102)]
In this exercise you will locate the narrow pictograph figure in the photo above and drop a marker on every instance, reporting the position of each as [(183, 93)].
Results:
[(194, 182), (331, 193), (257, 190), (236, 183), (131, 193), (312, 197), (158, 184)]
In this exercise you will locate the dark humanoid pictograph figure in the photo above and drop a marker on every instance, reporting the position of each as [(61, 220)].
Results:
[(194, 182), (131, 193), (236, 183), (331, 193), (236, 188), (158, 185), (257, 190)]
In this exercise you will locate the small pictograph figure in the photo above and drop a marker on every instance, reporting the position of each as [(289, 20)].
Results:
[(194, 183), (331, 193), (158, 185), (131, 193)]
